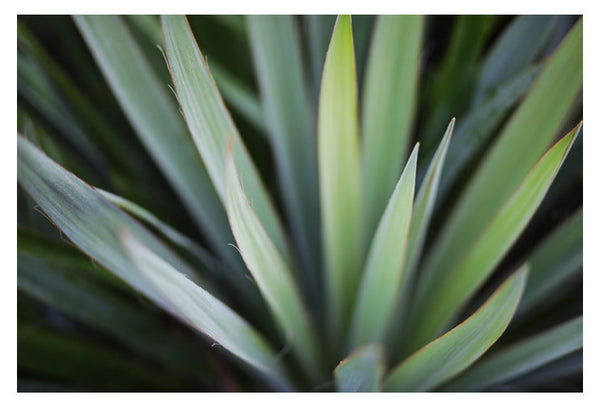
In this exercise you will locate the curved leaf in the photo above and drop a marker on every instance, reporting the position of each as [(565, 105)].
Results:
[(211, 125), (273, 276), (521, 357), (514, 153), (199, 309), (156, 121), (459, 348), (438, 303)]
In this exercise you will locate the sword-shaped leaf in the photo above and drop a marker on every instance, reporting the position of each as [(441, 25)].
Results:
[(522, 357), (270, 271), (383, 274), (199, 309), (441, 302), (389, 104), (159, 126), (339, 173), (95, 226), (211, 125), (450, 354), (522, 141), (278, 65)]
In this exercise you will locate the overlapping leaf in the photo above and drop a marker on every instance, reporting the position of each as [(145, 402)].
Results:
[(515, 151), (522, 357), (456, 350), (158, 124), (383, 274), (389, 104), (273, 276), (211, 125), (438, 303)]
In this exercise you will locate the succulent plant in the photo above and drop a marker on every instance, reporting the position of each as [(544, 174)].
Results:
[(335, 242)]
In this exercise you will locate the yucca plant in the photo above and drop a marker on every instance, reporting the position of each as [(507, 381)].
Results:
[(374, 252)]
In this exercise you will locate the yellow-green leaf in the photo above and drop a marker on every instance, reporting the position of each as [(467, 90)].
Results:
[(338, 156)]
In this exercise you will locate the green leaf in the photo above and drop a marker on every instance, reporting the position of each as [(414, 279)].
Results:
[(459, 348), (424, 203), (421, 215), (388, 109), (84, 216), (383, 274), (475, 130), (163, 228), (277, 59), (95, 226), (361, 371), (198, 308), (210, 265), (237, 95), (521, 357), (272, 274), (339, 173), (211, 125), (513, 154), (146, 103), (139, 329), (465, 275), (511, 52), (553, 262)]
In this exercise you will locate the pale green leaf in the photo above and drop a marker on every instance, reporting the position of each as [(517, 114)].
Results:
[(339, 173), (159, 126), (383, 274), (95, 225), (361, 371), (388, 107), (278, 65), (162, 227), (271, 273), (211, 125), (521, 357), (84, 216), (421, 216), (424, 203), (237, 95), (450, 354), (198, 308), (513, 154), (438, 303)]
